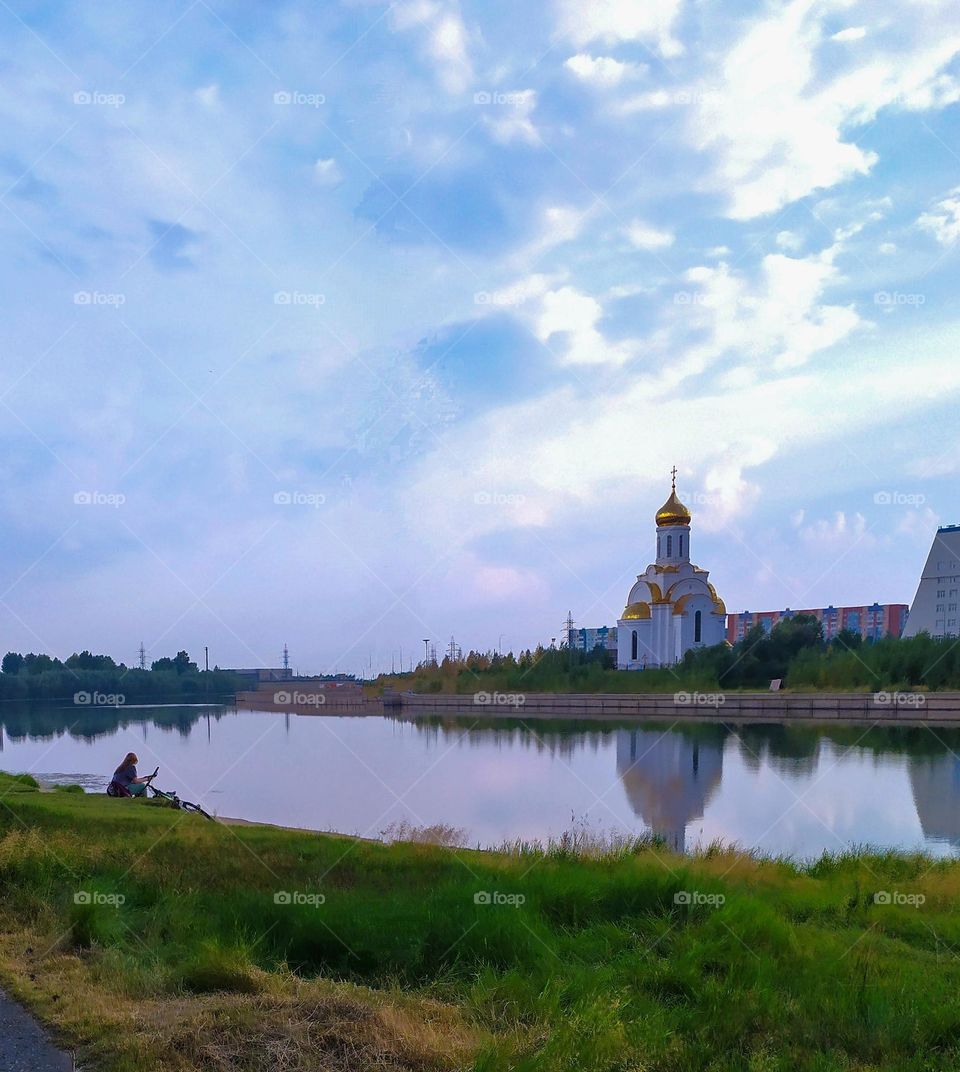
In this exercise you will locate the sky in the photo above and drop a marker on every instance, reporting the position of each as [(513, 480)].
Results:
[(348, 325)]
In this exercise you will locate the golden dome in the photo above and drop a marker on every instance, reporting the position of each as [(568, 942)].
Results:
[(636, 611), (673, 512)]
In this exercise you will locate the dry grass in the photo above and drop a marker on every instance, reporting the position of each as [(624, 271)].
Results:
[(292, 1026)]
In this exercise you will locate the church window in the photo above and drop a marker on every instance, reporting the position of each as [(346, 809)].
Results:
[(658, 548), (697, 620), (633, 646), (680, 538), (669, 547)]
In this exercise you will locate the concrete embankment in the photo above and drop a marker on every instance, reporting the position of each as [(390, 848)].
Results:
[(898, 707)]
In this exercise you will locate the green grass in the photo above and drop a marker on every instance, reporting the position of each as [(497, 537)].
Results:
[(601, 967)]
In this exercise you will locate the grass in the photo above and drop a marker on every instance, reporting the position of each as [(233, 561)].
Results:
[(146, 935)]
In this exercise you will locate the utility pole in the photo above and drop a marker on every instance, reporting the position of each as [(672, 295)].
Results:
[(206, 657), (143, 656), (426, 651), (569, 624), (286, 657)]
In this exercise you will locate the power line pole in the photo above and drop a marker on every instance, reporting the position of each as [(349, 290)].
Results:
[(143, 656), (286, 657), (426, 651)]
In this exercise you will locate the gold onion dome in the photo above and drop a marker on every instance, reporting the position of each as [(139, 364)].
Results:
[(673, 512), (636, 611)]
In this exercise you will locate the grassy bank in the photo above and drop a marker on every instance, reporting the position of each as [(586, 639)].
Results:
[(153, 939)]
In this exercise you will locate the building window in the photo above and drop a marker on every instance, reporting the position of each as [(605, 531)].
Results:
[(697, 622), (659, 555), (680, 552), (669, 546), (633, 646)]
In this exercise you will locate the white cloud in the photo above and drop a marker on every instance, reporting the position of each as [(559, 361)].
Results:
[(575, 315), (644, 236), (943, 220), (445, 39), (510, 118), (327, 172), (209, 96), (610, 21), (603, 70), (886, 248), (789, 241), (852, 33), (779, 125)]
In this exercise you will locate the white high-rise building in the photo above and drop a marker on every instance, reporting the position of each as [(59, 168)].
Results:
[(934, 608), (672, 607)]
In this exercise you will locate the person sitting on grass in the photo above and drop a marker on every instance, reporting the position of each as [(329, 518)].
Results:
[(125, 777)]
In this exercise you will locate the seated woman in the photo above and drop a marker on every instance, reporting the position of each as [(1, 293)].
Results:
[(125, 778)]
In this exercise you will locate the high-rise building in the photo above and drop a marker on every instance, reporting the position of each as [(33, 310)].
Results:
[(934, 608), (873, 622)]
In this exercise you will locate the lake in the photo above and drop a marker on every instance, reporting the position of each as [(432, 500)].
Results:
[(780, 788)]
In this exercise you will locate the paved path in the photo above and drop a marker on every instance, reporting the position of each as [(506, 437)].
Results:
[(25, 1045)]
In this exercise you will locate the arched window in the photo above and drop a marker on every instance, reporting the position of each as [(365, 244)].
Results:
[(680, 552), (633, 647), (669, 546), (697, 621), (658, 547)]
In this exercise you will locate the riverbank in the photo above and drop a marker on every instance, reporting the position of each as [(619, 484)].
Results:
[(150, 938), (941, 708)]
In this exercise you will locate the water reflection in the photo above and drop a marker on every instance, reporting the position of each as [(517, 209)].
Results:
[(780, 787), (669, 777)]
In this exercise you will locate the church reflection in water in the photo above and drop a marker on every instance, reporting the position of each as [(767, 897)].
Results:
[(670, 776)]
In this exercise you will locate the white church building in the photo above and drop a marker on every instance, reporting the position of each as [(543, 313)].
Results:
[(672, 607)]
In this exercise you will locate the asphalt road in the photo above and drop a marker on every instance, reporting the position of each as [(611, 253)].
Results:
[(24, 1044)]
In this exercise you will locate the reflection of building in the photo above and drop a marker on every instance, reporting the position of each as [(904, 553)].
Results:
[(872, 623), (669, 777), (935, 781), (672, 607), (934, 609)]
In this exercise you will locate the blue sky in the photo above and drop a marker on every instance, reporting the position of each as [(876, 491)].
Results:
[(347, 325)]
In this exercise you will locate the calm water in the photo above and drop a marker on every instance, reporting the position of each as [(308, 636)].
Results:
[(780, 788)]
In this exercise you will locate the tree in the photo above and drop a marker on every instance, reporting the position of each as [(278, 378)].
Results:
[(162, 665), (12, 663), (182, 664)]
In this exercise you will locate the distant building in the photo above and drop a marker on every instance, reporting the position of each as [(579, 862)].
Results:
[(257, 674), (672, 607), (872, 623), (588, 639), (934, 609)]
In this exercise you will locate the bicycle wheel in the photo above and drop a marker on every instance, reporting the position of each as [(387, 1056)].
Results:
[(187, 806)]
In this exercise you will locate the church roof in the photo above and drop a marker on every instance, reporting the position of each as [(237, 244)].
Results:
[(673, 512)]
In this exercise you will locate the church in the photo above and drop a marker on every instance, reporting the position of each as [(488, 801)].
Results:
[(672, 607)]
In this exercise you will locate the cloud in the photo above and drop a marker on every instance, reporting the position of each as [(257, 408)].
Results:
[(777, 120), (943, 220), (445, 41), (603, 71), (852, 33), (510, 120), (839, 534), (327, 172), (644, 236), (611, 21), (574, 316)]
